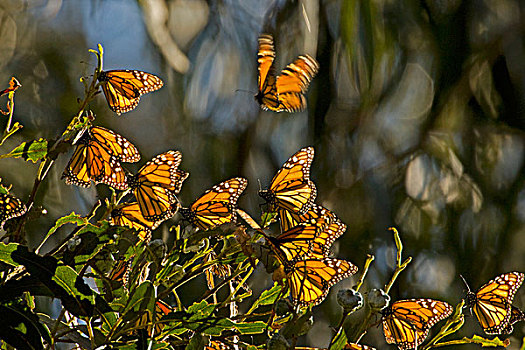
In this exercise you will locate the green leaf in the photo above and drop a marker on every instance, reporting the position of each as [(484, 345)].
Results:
[(267, 297), (5, 253), (267, 219), (250, 327), (63, 281), (33, 151), (20, 328)]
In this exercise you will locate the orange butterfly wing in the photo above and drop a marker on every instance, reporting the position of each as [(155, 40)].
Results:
[(156, 183), (310, 279), (123, 88), (129, 215), (291, 188), (492, 303), (10, 207), (294, 81), (407, 322), (267, 89), (217, 205)]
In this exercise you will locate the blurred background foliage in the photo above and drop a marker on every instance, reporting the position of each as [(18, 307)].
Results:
[(417, 117)]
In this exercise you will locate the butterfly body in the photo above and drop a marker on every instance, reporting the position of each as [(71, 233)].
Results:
[(217, 205), (407, 323), (10, 207), (156, 184), (291, 188), (98, 156), (123, 88), (286, 91), (492, 303)]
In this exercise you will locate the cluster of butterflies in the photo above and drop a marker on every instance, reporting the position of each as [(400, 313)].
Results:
[(123, 89), (98, 158), (308, 229)]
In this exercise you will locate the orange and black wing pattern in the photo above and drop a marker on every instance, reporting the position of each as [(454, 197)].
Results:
[(294, 81), (123, 88), (217, 205), (98, 156), (310, 279), (156, 184), (291, 188), (267, 89), (10, 207), (129, 215), (286, 91), (316, 215), (307, 240), (492, 303), (407, 323)]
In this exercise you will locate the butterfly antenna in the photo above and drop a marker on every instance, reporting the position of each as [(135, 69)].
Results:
[(466, 284), (242, 90)]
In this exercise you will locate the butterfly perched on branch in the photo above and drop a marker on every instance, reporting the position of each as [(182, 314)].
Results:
[(407, 323), (98, 156), (156, 184), (492, 303), (123, 88), (291, 188), (286, 91), (217, 205), (129, 215)]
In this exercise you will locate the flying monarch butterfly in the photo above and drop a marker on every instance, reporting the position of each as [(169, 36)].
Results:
[(129, 215), (123, 88), (97, 158), (146, 320), (286, 91), (492, 303), (10, 207), (306, 240), (156, 184), (291, 188), (217, 205), (310, 279), (407, 323), (316, 215)]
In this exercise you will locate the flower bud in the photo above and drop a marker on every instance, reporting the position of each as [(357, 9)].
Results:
[(350, 300), (378, 299)]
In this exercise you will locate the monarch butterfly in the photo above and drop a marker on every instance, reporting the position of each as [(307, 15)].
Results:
[(129, 215), (10, 207), (217, 205), (156, 183), (97, 158), (291, 188), (492, 303), (406, 323), (146, 320), (216, 345), (310, 279), (316, 215), (121, 270), (306, 240), (123, 88), (286, 91)]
